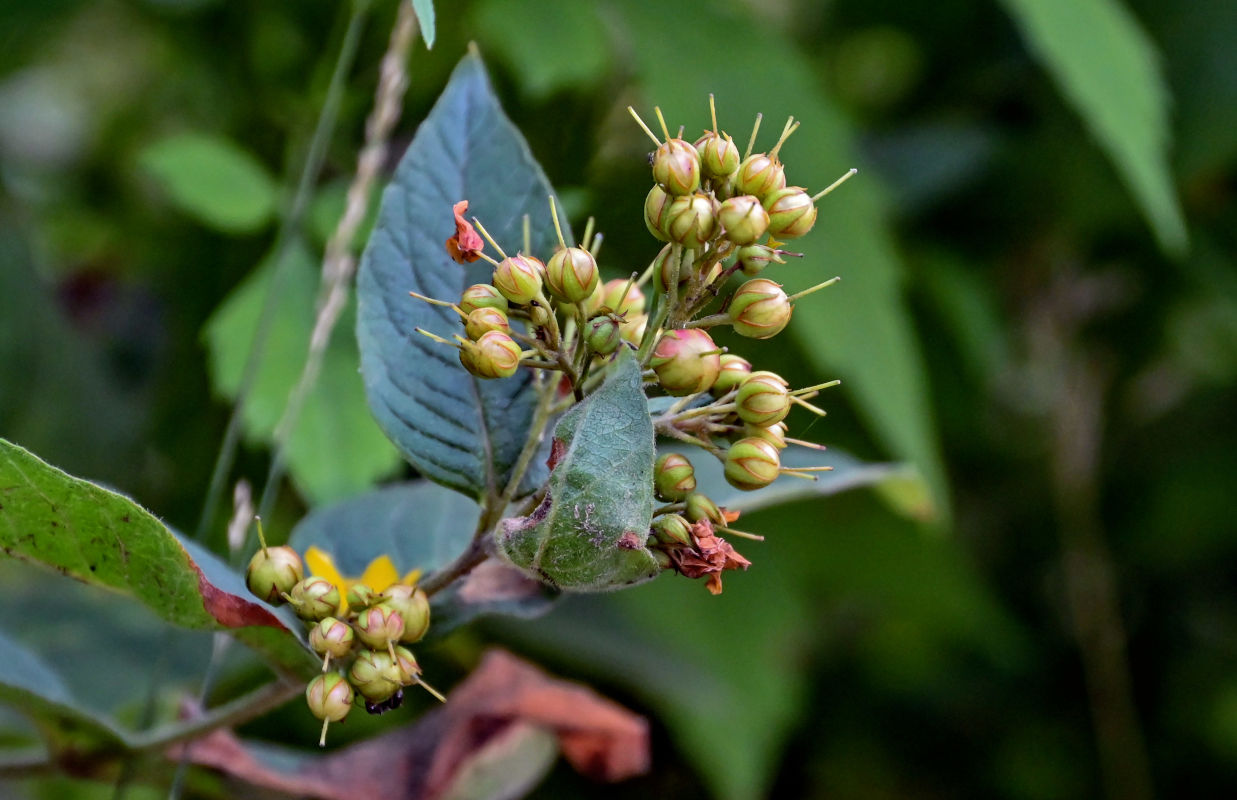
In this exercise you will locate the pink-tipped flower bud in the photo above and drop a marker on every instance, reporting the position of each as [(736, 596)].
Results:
[(774, 434), (379, 625), (361, 596), (482, 320), (672, 529), (315, 598), (622, 296), (743, 219), (674, 478), (759, 175), (763, 399), (603, 334), (664, 264), (518, 278), (272, 572), (735, 370), (791, 212), (755, 257), (691, 220), (676, 167), (482, 295), (571, 274), (656, 209), (332, 637), (686, 361), (329, 697), (700, 507), (413, 605), (407, 664), (719, 156), (759, 309), (375, 675), (494, 355), (751, 464)]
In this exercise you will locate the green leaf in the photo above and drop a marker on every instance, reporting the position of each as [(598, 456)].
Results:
[(86, 532), (457, 430), (424, 9), (213, 180), (1109, 71), (861, 329), (336, 450), (589, 532), (580, 55)]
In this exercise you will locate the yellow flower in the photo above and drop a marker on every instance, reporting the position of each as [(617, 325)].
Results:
[(380, 575)]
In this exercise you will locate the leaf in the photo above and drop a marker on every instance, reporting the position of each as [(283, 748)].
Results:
[(1108, 70), (102, 538), (860, 330), (424, 9), (579, 58), (213, 180), (336, 450), (457, 430), (589, 532)]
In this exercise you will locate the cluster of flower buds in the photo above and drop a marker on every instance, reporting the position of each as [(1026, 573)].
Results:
[(363, 633)]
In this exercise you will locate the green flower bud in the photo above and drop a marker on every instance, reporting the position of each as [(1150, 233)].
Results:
[(791, 212), (571, 274), (272, 572), (329, 697), (379, 625), (603, 334), (691, 220), (676, 167), (481, 320), (763, 399), (662, 558), (743, 219), (332, 637), (375, 675), (482, 295), (315, 598), (494, 355), (361, 596), (686, 361), (656, 207), (755, 257), (734, 370), (518, 278), (719, 156), (663, 265), (700, 507), (751, 464), (759, 175), (413, 606), (672, 529), (759, 309), (409, 669), (774, 434), (673, 477), (613, 298)]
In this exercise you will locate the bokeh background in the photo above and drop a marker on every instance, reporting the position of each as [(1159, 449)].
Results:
[(1038, 312)]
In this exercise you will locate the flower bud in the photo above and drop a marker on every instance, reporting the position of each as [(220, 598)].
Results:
[(662, 558), (518, 278), (686, 361), (763, 399), (673, 477), (494, 355), (332, 637), (375, 675), (361, 596), (272, 572), (791, 212), (755, 257), (676, 167), (571, 274), (407, 664), (329, 697), (482, 295), (315, 598), (700, 507), (734, 370), (759, 175), (751, 464), (774, 434), (481, 320), (656, 206), (413, 606), (603, 333), (613, 297), (672, 529), (632, 328), (691, 220), (379, 625), (719, 156), (663, 265), (759, 309), (743, 219)]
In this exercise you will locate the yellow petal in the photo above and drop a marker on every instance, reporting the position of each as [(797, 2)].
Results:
[(380, 574), (412, 577)]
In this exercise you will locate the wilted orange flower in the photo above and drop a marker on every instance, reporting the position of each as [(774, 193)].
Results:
[(466, 245), (710, 555)]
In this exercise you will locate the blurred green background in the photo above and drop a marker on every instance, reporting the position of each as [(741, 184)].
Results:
[(1038, 310)]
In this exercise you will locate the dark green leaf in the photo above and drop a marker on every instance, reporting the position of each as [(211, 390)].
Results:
[(99, 537), (1109, 71), (212, 179), (457, 430), (424, 9), (589, 532)]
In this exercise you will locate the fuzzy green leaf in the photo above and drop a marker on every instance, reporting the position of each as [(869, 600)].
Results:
[(589, 532), (457, 430)]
